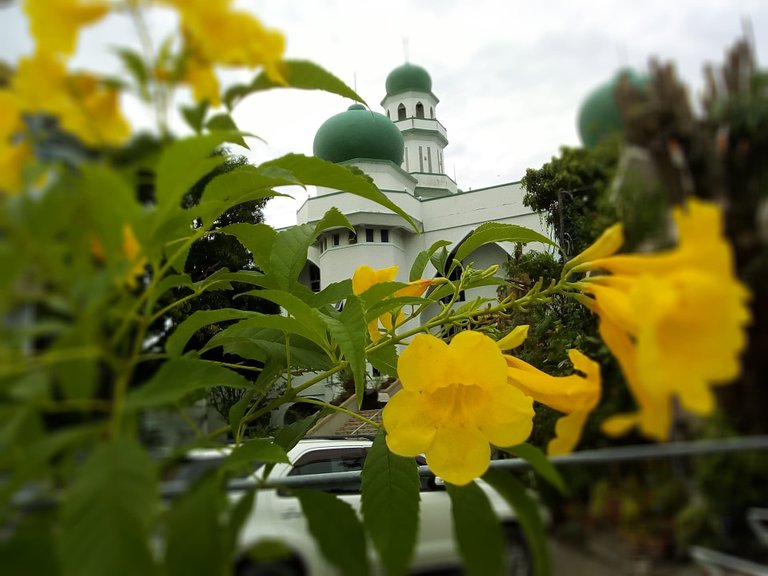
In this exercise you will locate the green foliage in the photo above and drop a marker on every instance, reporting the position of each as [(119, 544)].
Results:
[(390, 505), (479, 536), (344, 546), (571, 191)]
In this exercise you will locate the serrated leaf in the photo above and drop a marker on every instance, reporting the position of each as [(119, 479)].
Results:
[(343, 545), (255, 343), (237, 411), (380, 291), (478, 533), (289, 254), (107, 513), (176, 342), (258, 239), (289, 435), (528, 516), (199, 551), (29, 548), (349, 332), (439, 260), (299, 74), (333, 218), (256, 451), (195, 114), (392, 304), (177, 378), (169, 283), (182, 164), (422, 258), (384, 360), (297, 309), (223, 121), (540, 463), (331, 294), (495, 232), (390, 505), (318, 172)]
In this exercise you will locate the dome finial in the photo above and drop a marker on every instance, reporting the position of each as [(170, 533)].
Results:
[(405, 48)]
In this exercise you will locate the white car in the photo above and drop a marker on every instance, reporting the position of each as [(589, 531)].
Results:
[(278, 516)]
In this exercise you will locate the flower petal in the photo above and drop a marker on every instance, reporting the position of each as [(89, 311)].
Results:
[(514, 338), (567, 433), (407, 420), (363, 278), (508, 417), (459, 455), (476, 361), (423, 365), (619, 424)]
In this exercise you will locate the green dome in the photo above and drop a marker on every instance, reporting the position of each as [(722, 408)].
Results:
[(408, 77), (599, 115), (359, 133)]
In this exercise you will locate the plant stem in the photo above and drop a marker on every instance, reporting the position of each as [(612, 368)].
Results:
[(339, 409)]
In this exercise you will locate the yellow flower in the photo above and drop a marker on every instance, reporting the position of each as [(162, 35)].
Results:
[(365, 277), (13, 157), (455, 401), (81, 103), (202, 78), (219, 34), (133, 254), (55, 23), (674, 320), (575, 395)]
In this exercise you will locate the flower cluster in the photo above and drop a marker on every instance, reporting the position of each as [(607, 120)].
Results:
[(459, 398), (675, 320), (88, 106)]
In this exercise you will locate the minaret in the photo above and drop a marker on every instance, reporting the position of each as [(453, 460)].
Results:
[(412, 106)]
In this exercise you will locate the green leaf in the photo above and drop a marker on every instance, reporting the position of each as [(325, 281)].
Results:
[(390, 505), (29, 547), (495, 232), (297, 309), (184, 331), (195, 538), (299, 74), (440, 260), (478, 533), (380, 291), (333, 218), (527, 513), (258, 239), (256, 451), (289, 435), (107, 513), (314, 171), (384, 360), (420, 262), (289, 254), (134, 63), (169, 283), (331, 294), (336, 530), (182, 164), (540, 463), (237, 411), (177, 378), (195, 114), (392, 304), (349, 332), (223, 121)]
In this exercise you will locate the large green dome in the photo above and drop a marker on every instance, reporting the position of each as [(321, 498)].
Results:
[(599, 115), (359, 133), (408, 77)]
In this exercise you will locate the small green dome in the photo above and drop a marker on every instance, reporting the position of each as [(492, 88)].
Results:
[(599, 115), (359, 133), (408, 77)]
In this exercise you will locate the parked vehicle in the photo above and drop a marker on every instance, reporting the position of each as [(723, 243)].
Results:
[(278, 515)]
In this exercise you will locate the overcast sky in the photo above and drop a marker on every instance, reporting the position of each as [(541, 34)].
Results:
[(510, 75)]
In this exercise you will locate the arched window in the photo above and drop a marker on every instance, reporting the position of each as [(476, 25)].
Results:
[(419, 110), (401, 112)]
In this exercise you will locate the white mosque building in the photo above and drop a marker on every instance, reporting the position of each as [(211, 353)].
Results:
[(402, 150)]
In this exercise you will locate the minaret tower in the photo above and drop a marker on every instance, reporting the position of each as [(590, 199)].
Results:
[(412, 106)]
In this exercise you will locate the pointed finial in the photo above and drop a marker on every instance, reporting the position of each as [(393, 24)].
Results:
[(354, 81), (405, 48)]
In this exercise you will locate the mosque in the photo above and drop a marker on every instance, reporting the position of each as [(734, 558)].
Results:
[(402, 150)]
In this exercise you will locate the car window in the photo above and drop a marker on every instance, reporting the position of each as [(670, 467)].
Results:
[(328, 461)]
